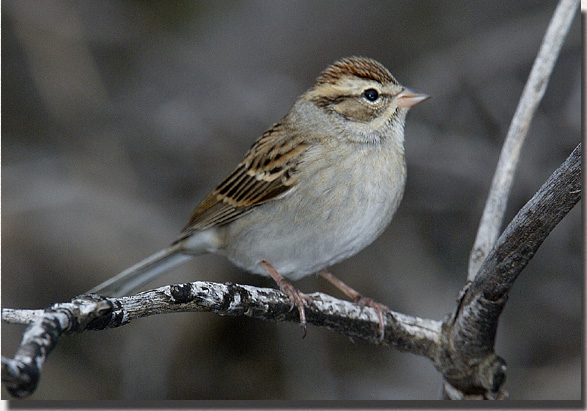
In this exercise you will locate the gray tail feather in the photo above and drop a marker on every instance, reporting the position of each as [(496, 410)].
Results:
[(141, 273)]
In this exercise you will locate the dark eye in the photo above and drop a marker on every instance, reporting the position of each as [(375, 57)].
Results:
[(371, 94)]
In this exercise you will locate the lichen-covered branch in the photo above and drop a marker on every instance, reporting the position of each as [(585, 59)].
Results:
[(21, 374), (93, 312)]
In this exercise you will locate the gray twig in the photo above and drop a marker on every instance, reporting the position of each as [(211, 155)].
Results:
[(492, 218)]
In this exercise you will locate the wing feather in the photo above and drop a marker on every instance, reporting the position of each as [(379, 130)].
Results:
[(268, 170)]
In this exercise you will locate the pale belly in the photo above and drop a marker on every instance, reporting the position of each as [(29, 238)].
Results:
[(310, 229)]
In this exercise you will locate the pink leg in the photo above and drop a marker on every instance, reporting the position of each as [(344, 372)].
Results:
[(358, 298), (295, 295)]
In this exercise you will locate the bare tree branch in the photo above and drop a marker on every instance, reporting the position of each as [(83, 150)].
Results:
[(21, 374), (15, 316), (471, 330), (461, 347), (532, 94), (93, 312)]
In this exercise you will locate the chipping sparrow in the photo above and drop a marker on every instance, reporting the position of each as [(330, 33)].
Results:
[(316, 188)]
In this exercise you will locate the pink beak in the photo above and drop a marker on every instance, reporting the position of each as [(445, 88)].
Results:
[(409, 98)]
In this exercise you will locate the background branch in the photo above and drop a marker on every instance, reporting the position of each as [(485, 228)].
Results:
[(491, 220)]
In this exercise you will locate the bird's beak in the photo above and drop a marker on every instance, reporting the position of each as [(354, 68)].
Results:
[(409, 98)]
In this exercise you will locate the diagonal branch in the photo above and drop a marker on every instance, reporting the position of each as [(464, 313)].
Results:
[(533, 223), (470, 333), (532, 94)]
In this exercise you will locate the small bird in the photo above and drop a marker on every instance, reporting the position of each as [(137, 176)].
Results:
[(316, 188)]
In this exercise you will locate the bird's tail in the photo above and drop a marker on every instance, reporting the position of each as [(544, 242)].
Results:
[(141, 273)]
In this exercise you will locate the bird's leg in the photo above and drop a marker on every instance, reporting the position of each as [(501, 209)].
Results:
[(295, 295), (357, 298)]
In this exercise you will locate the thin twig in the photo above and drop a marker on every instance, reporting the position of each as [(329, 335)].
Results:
[(491, 221)]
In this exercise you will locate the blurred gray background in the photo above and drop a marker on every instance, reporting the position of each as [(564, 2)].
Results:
[(118, 117)]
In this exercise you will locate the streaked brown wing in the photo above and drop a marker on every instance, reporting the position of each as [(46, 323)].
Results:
[(268, 170)]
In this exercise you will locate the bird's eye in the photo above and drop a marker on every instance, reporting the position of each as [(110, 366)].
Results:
[(371, 94)]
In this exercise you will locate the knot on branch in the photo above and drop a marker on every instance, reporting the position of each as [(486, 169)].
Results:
[(181, 293), (87, 312), (491, 372), (483, 380), (466, 357)]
